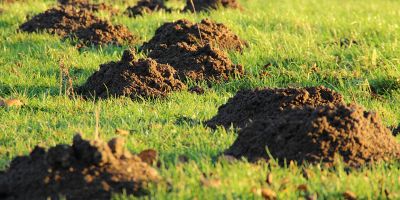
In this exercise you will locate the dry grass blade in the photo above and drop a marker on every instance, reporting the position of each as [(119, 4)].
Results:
[(66, 83)]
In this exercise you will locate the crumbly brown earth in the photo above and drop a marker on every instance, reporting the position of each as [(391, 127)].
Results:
[(104, 33), (85, 4), (145, 7), (323, 134), (249, 105), (204, 5), (197, 62), (86, 170), (216, 34), (60, 21), (143, 78), (69, 22)]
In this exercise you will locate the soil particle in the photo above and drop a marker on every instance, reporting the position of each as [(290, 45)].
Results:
[(149, 156), (205, 5), (197, 62), (85, 170), (249, 105), (142, 78), (321, 134), (216, 34), (146, 7), (197, 90), (69, 22), (396, 130)]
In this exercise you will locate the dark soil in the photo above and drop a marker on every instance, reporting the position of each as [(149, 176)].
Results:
[(146, 7), (205, 5), (85, 4), (249, 105), (323, 134), (216, 34), (143, 78), (197, 62), (86, 170), (60, 21), (396, 130), (197, 90), (69, 22), (104, 33)]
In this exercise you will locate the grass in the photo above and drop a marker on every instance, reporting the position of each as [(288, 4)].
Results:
[(299, 39)]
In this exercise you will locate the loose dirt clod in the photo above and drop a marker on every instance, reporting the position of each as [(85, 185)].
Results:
[(197, 90), (143, 78), (197, 62), (204, 5), (216, 34), (249, 105), (69, 22), (85, 170), (145, 7), (322, 134)]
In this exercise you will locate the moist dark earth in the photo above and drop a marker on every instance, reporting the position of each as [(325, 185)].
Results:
[(216, 34), (146, 7), (197, 62), (87, 169), (205, 5), (249, 105), (323, 134), (132, 78), (196, 57), (85, 4), (79, 24)]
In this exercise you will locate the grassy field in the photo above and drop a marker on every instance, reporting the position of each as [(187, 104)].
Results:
[(301, 41)]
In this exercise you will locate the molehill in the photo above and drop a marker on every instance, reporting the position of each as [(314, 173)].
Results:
[(132, 78), (87, 169), (79, 24), (249, 105), (324, 134)]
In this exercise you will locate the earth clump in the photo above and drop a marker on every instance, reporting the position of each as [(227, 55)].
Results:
[(203, 33), (146, 7), (249, 105), (324, 134), (79, 24), (205, 5), (87, 169), (143, 78)]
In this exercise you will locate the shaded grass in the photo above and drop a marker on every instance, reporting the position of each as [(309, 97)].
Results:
[(299, 41)]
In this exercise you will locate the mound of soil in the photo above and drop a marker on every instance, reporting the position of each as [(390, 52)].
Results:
[(134, 79), (197, 62), (249, 105), (216, 34), (60, 21), (85, 4), (104, 33), (85, 170), (322, 134), (204, 5), (145, 7), (78, 23)]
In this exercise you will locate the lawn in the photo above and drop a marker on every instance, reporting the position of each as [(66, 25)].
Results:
[(299, 41)]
